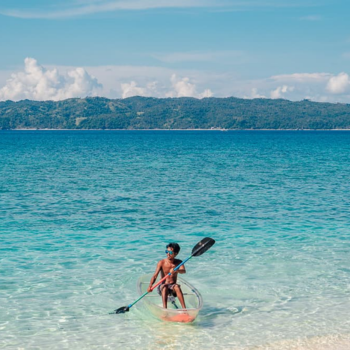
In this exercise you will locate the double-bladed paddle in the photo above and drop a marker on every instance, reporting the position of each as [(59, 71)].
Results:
[(200, 248)]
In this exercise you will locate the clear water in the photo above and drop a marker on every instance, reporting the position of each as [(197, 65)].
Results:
[(84, 214)]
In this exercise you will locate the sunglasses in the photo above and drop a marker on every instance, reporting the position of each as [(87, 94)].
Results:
[(169, 252)]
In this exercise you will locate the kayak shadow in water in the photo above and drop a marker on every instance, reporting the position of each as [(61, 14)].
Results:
[(209, 313)]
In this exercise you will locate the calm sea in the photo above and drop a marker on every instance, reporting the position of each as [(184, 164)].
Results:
[(84, 214)]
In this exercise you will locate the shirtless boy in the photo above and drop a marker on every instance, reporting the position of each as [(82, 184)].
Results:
[(164, 267)]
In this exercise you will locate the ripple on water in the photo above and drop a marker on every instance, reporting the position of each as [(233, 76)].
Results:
[(84, 214)]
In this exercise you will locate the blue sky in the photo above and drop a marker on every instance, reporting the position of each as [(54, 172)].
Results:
[(264, 48)]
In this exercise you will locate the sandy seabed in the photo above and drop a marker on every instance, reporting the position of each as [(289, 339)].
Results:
[(330, 342)]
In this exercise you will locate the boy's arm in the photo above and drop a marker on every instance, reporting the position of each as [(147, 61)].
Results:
[(181, 270), (155, 275)]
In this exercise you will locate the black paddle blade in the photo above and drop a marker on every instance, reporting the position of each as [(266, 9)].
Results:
[(122, 310), (202, 246)]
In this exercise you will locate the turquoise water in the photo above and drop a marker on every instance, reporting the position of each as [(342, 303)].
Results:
[(84, 214)]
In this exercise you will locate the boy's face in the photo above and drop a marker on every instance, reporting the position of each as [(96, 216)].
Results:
[(170, 253)]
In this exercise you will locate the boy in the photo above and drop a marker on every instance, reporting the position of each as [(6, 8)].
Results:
[(164, 267)]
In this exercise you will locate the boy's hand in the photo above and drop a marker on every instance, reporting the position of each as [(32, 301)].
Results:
[(149, 289), (172, 271)]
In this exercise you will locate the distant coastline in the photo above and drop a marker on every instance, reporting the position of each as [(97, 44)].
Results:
[(147, 113)]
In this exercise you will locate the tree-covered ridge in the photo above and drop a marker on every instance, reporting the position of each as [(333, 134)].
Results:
[(173, 113)]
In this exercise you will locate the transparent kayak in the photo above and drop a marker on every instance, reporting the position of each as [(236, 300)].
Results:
[(174, 312)]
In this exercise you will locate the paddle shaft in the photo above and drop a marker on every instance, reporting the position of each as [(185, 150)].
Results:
[(159, 282)]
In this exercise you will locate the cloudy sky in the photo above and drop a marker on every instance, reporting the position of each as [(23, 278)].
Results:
[(163, 48)]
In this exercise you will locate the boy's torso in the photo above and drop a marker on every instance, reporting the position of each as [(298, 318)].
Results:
[(166, 267)]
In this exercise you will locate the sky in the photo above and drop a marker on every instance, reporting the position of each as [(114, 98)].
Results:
[(53, 50)]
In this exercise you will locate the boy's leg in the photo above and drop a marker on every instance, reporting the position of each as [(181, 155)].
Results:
[(165, 296), (180, 296)]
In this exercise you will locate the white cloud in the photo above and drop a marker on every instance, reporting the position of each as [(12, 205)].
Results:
[(179, 88), (124, 81), (255, 94), (39, 83), (71, 8), (311, 18), (314, 86), (338, 84), (346, 55), (206, 93), (59, 82), (184, 88), (131, 89), (280, 91), (92, 7), (303, 77)]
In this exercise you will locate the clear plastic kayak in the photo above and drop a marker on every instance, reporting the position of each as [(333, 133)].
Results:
[(174, 312)]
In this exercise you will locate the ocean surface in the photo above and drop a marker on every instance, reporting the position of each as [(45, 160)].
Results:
[(84, 213)]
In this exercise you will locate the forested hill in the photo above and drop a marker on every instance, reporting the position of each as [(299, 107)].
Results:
[(173, 113)]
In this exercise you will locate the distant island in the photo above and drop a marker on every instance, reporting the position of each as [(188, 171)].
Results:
[(136, 113)]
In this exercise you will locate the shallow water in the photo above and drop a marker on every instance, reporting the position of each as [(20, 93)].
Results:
[(84, 214)]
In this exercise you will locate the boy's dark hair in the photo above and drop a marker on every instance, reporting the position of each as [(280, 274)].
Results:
[(175, 247)]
